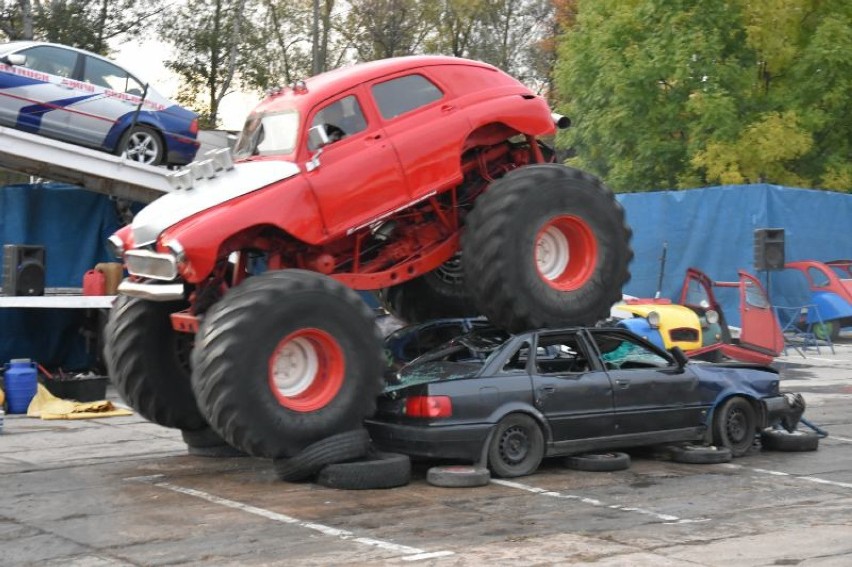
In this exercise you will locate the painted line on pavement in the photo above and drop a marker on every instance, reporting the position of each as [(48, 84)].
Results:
[(814, 479), (836, 438), (409, 553), (665, 518)]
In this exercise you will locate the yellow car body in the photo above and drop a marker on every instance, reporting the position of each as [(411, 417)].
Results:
[(678, 326)]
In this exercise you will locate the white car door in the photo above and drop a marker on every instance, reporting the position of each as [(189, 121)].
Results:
[(43, 89), (117, 94)]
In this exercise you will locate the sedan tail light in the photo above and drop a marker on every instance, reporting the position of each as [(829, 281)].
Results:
[(429, 406), (193, 127)]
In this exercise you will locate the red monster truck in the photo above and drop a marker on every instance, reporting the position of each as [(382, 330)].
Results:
[(421, 178)]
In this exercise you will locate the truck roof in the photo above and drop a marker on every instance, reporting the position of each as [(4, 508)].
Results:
[(330, 83)]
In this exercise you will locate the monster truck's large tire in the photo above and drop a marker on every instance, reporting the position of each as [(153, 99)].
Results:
[(148, 362), (545, 246), (437, 294), (286, 359)]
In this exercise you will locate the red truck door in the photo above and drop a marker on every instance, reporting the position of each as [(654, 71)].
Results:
[(359, 177), (425, 126)]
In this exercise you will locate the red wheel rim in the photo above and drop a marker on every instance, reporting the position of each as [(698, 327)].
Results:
[(306, 370), (566, 252)]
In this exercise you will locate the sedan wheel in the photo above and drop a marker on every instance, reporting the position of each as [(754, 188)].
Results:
[(516, 447), (142, 145), (735, 426)]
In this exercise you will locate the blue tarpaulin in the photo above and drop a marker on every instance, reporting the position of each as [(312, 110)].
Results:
[(711, 229), (72, 224)]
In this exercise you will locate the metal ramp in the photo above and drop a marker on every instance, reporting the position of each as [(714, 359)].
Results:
[(94, 170)]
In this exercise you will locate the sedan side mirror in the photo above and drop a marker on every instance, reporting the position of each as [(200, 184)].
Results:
[(679, 356), (14, 59)]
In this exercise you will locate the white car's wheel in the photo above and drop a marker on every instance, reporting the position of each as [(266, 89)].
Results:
[(142, 145)]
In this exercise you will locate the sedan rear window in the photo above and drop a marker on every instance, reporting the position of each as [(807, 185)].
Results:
[(105, 74), (404, 94)]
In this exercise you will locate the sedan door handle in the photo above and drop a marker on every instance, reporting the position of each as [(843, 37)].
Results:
[(622, 383), (547, 389), (448, 108)]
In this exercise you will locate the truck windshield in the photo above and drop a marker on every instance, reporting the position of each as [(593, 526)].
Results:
[(268, 134)]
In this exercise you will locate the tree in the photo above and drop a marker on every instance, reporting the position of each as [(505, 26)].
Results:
[(512, 34), (87, 24), (678, 94), (377, 29), (213, 41)]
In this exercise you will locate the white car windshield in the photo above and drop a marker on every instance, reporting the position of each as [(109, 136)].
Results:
[(268, 134)]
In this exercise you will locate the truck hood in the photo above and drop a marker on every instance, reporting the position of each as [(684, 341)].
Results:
[(206, 194)]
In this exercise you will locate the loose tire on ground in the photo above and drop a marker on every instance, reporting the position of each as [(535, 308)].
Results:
[(700, 454), (437, 294), (458, 476), (735, 425), (207, 443), (516, 447), (377, 470), (599, 462), (142, 144), (202, 438), (546, 246), (286, 359), (148, 362), (338, 448), (781, 440)]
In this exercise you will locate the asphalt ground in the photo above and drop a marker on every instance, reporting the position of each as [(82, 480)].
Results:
[(122, 491)]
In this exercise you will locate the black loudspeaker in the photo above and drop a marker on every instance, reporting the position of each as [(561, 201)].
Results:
[(23, 269), (769, 249)]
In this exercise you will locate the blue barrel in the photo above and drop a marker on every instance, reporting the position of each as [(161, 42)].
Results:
[(20, 384)]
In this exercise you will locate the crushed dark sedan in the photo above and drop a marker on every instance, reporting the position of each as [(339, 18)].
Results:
[(507, 401)]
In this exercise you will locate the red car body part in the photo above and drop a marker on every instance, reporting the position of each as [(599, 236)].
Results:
[(760, 338), (404, 170), (830, 288)]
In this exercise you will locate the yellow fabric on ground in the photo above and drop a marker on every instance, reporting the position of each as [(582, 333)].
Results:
[(47, 406)]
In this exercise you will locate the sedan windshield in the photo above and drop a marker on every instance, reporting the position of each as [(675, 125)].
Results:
[(268, 134)]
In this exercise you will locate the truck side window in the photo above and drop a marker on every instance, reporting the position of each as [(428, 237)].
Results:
[(404, 94), (341, 118)]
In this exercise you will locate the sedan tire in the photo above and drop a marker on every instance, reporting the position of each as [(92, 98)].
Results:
[(142, 144), (735, 425), (516, 447)]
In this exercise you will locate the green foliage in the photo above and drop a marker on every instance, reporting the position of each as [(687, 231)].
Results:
[(684, 94), (211, 37), (87, 24)]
